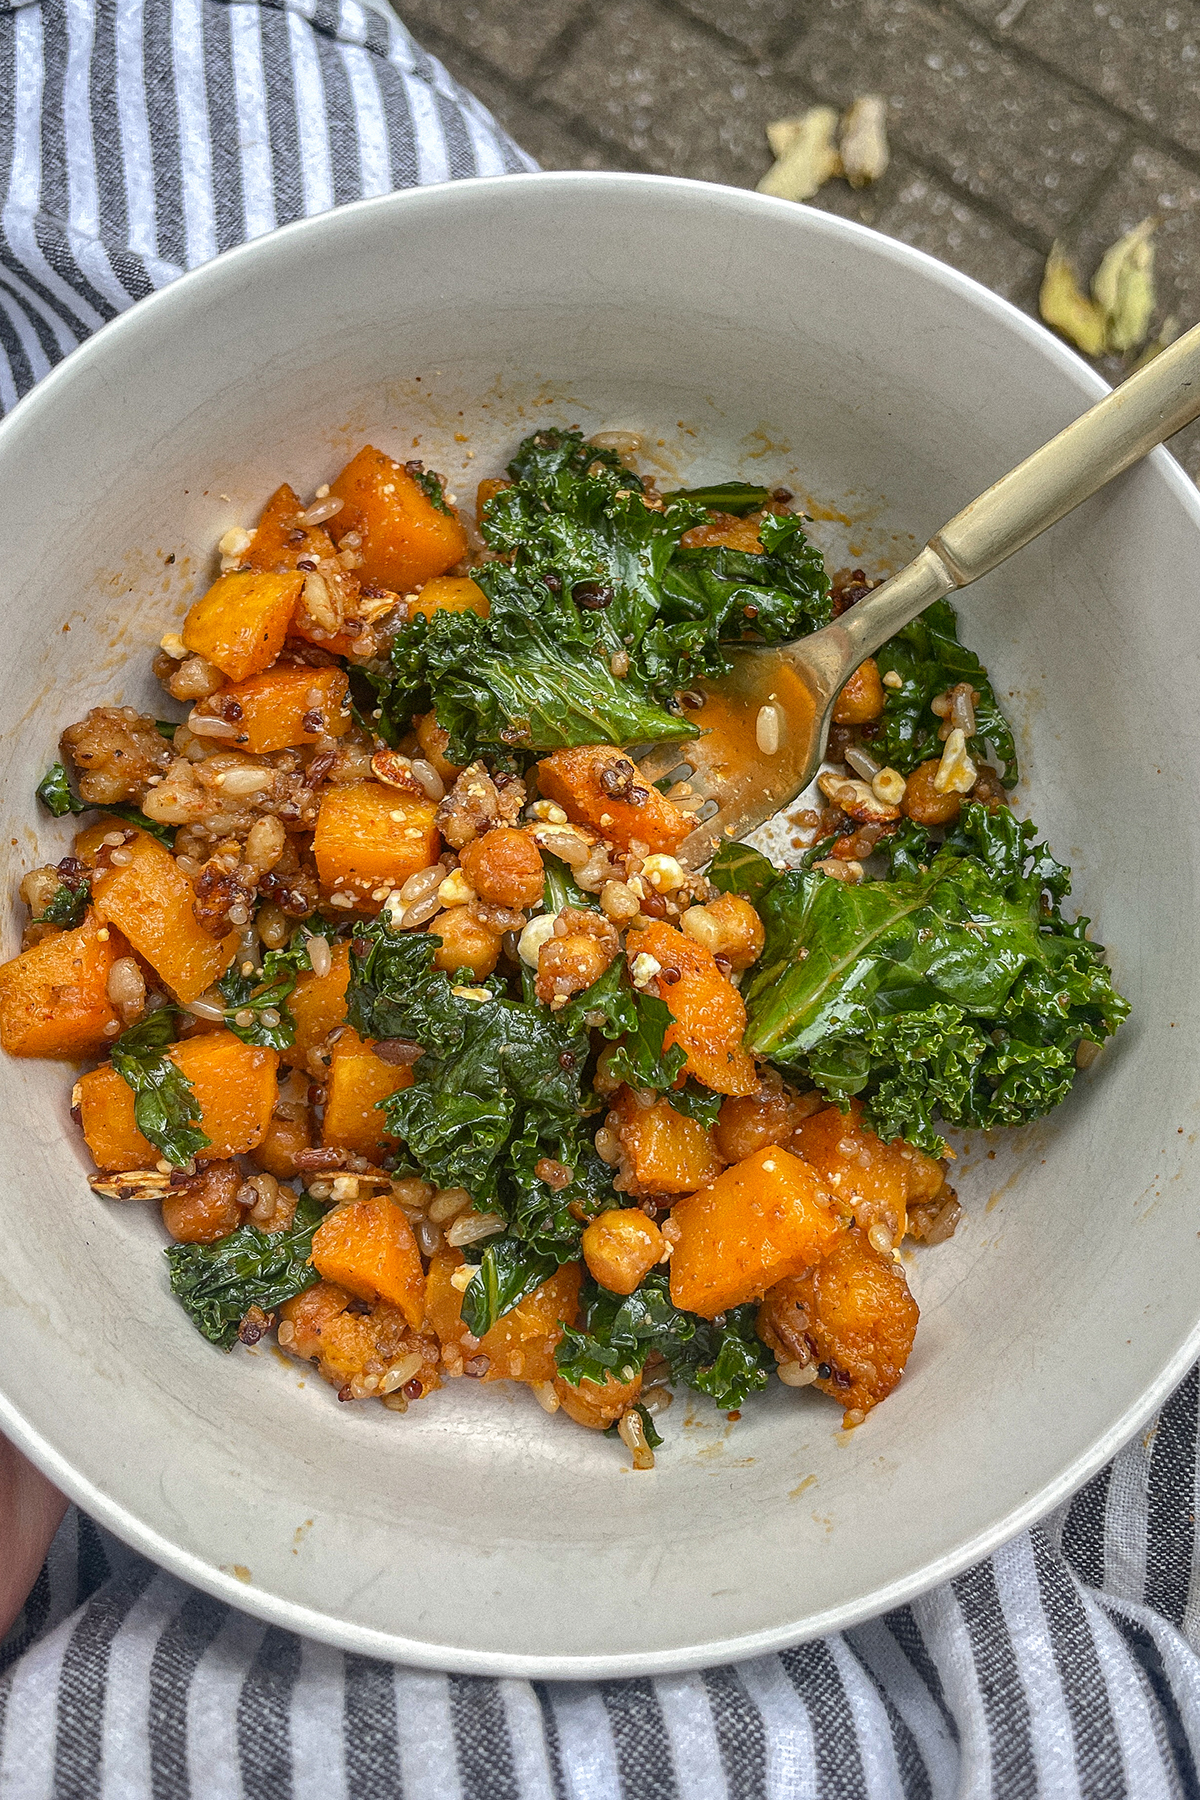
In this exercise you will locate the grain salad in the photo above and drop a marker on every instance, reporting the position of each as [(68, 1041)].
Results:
[(400, 1001)]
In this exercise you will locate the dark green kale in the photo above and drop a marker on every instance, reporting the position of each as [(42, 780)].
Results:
[(639, 1058), (255, 994), (507, 1271), (588, 575), (166, 728), (737, 869), (165, 1108), (953, 989), (69, 901), (217, 1284), (726, 1361), (431, 485), (56, 795), (739, 497), (929, 659)]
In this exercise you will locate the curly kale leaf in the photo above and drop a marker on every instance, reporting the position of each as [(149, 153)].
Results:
[(639, 1058), (954, 989), (928, 658), (506, 1273), (270, 989), (737, 869), (57, 796), (616, 1335), (68, 903), (587, 575), (217, 1284), (165, 1108), (431, 485)]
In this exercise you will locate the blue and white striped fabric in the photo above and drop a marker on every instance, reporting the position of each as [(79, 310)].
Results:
[(137, 139)]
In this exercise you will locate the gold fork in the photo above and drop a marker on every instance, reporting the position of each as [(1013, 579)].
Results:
[(764, 727)]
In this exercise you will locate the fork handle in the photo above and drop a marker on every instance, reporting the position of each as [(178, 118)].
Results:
[(1149, 406)]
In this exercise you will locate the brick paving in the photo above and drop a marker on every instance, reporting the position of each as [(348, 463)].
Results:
[(1012, 122)]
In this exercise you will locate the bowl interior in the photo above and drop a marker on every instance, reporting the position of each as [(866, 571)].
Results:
[(744, 337)]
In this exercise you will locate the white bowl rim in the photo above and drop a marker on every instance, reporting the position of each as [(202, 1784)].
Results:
[(387, 1646)]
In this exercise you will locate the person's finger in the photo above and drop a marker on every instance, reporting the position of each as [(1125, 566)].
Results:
[(31, 1510)]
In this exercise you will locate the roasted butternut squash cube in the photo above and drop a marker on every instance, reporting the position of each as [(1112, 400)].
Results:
[(240, 624), (708, 1013), (597, 1404), (598, 785), (318, 1003), (358, 1080), (369, 837), (149, 899), (235, 1087), (867, 1178), (761, 1220), (405, 539), (450, 593), (668, 1153), (54, 998), (368, 1248), (520, 1345), (284, 707), (282, 540), (360, 1353)]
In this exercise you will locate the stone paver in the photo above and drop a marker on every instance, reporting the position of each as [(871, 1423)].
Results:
[(1012, 122), (1007, 133), (662, 87), (1144, 58)]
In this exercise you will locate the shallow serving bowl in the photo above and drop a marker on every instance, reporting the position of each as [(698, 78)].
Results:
[(743, 335)]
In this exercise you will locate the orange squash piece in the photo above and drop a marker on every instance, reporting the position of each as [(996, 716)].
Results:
[(520, 1345), (284, 707), (357, 1081), (575, 779), (406, 539), (866, 1177), (708, 1013), (368, 1248), (370, 836), (318, 1003), (485, 492), (272, 550), (283, 1142), (241, 622), (762, 1220), (150, 898), (450, 593), (235, 1087), (54, 998), (668, 1152)]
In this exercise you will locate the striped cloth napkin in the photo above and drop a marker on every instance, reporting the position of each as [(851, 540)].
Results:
[(137, 139)]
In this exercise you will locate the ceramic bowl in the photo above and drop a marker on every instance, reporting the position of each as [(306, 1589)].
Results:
[(744, 335)]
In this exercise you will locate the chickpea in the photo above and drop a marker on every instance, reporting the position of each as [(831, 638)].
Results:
[(755, 1121), (567, 965), (206, 1207), (728, 926), (433, 739), (504, 867), (861, 700), (620, 1247), (923, 803), (594, 1405), (468, 947), (277, 1153)]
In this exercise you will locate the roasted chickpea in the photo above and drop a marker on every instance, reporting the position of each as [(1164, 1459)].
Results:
[(620, 1247), (595, 1406), (277, 1153), (468, 947), (206, 1207), (923, 803), (505, 868), (728, 926), (770, 1115), (433, 739), (861, 700)]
